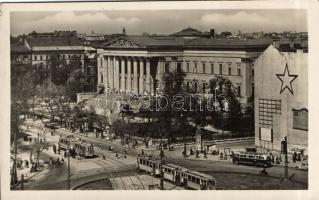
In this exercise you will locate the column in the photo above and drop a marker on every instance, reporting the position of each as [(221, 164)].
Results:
[(129, 77), (135, 77), (105, 70), (141, 91), (123, 74), (117, 75), (99, 68), (245, 80), (148, 76), (110, 72), (160, 73)]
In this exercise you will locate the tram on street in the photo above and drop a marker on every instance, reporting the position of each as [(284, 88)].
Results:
[(179, 175), (252, 158), (81, 148)]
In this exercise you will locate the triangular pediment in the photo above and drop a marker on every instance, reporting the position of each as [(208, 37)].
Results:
[(122, 42)]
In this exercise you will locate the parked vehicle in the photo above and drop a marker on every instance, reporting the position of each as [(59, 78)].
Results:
[(303, 166), (251, 158)]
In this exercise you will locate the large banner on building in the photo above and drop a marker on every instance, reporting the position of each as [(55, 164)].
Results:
[(265, 134)]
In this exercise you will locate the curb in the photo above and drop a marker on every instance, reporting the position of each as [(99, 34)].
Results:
[(275, 177)]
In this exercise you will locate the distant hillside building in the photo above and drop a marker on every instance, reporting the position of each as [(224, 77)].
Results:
[(281, 97)]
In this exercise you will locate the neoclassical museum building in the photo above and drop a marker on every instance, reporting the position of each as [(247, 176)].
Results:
[(137, 63)]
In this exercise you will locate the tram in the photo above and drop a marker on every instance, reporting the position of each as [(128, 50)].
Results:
[(179, 175), (80, 148), (252, 158)]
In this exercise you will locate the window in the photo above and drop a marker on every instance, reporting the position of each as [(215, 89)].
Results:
[(101, 78), (187, 86), (204, 87), (229, 70), (195, 86), (238, 90), (63, 57), (238, 72), (179, 68), (267, 109), (212, 68), (40, 57), (204, 68), (195, 68), (220, 68), (47, 57), (167, 67), (187, 67), (300, 119)]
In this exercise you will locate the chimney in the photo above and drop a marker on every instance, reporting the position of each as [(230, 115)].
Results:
[(212, 33)]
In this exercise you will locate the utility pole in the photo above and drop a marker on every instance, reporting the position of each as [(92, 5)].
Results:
[(14, 178), (285, 152), (69, 171), (161, 169)]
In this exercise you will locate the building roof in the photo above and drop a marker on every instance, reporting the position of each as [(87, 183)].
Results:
[(145, 41), (19, 48), (53, 41), (190, 32)]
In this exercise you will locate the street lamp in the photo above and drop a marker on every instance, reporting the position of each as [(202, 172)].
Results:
[(69, 169), (184, 137)]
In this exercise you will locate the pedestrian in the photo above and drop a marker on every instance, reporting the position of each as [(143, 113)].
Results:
[(27, 163), (294, 157), (103, 157), (116, 155), (221, 155), (54, 149), (205, 154), (58, 161), (142, 152), (197, 154)]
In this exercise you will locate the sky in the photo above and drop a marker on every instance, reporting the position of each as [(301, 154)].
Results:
[(160, 21)]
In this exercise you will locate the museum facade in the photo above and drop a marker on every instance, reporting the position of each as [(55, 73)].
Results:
[(137, 64)]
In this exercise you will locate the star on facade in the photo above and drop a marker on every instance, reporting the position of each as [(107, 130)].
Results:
[(286, 80)]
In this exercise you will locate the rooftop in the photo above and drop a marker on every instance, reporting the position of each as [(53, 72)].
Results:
[(53, 41), (145, 41), (190, 32)]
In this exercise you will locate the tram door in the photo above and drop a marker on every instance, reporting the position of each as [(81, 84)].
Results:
[(178, 178)]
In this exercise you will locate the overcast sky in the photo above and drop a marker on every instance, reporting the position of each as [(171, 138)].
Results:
[(160, 21)]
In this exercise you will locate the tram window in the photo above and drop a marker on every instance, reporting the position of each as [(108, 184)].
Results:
[(197, 180)]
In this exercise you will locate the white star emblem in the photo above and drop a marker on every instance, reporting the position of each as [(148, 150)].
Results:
[(286, 80)]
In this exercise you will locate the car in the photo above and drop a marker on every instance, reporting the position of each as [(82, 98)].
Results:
[(302, 166)]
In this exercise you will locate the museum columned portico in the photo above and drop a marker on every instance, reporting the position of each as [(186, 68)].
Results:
[(130, 74)]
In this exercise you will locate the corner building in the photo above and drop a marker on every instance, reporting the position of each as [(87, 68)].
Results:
[(281, 98), (136, 64)]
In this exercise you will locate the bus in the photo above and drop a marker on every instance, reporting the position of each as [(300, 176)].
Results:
[(252, 158)]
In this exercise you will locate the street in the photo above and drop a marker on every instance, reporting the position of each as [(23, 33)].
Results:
[(121, 173)]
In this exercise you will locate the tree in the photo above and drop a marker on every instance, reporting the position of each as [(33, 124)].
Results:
[(51, 94), (225, 93)]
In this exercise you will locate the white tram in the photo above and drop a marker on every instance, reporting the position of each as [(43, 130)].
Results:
[(81, 148), (149, 165), (177, 174)]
